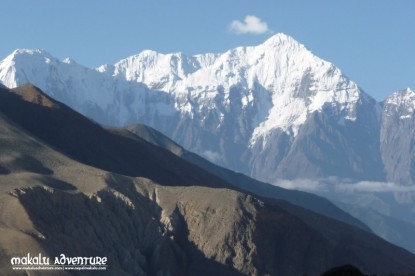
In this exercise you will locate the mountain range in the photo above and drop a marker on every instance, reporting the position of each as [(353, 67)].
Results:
[(273, 111), (69, 185)]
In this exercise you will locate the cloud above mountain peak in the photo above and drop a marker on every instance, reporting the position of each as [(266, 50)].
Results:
[(251, 25)]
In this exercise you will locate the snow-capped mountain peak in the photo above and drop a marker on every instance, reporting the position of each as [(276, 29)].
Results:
[(28, 52), (23, 56), (406, 96), (401, 103), (294, 82), (69, 60), (12, 71), (154, 69), (279, 40), (230, 107)]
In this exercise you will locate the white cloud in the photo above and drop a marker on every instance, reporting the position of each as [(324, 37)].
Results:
[(339, 186), (251, 25), (301, 184), (369, 186)]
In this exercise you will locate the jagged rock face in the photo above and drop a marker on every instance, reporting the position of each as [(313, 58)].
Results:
[(325, 148), (398, 137), (246, 109), (83, 226)]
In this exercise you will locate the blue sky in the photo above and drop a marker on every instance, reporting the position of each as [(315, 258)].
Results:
[(371, 41)]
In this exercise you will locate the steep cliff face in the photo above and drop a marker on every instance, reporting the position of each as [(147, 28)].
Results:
[(398, 137)]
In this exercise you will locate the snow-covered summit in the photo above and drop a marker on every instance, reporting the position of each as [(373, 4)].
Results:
[(10, 74), (401, 103), (241, 108), (80, 87), (24, 56), (155, 69), (406, 96), (294, 82), (69, 60), (21, 53), (279, 81)]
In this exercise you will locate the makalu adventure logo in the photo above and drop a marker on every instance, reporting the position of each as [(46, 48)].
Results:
[(62, 262)]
